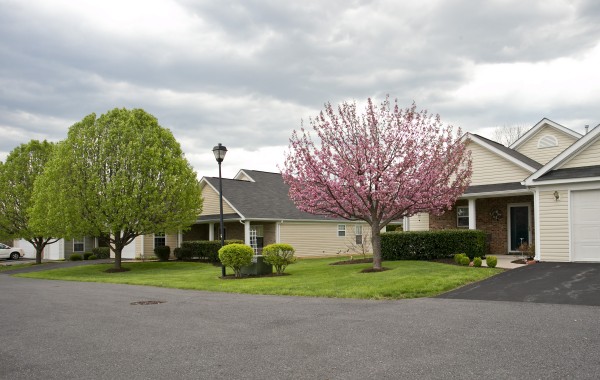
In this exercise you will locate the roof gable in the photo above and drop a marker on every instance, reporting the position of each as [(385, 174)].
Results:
[(544, 123), (493, 163), (558, 169)]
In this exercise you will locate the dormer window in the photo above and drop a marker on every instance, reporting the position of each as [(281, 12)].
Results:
[(547, 141)]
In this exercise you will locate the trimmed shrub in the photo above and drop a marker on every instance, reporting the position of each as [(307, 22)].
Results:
[(465, 261), (491, 261), (201, 249), (458, 257), (279, 255), (101, 252), (233, 241), (430, 245), (235, 256), (86, 255), (92, 257), (162, 253), (75, 257), (477, 262)]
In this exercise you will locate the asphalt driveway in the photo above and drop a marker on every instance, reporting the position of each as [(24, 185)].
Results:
[(556, 283)]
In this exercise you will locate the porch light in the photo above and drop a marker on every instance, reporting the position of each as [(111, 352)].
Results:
[(556, 196), (219, 151)]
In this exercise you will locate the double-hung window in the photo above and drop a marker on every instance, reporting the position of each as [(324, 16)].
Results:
[(78, 245), (462, 216), (160, 240), (341, 231)]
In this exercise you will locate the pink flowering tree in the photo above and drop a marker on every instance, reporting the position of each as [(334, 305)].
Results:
[(378, 166)]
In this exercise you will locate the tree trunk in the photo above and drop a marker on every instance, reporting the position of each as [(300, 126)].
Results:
[(39, 248), (376, 245), (118, 250)]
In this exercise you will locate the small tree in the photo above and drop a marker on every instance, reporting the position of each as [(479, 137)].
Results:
[(279, 255), (121, 175), (508, 134), (17, 176), (377, 167), (236, 256)]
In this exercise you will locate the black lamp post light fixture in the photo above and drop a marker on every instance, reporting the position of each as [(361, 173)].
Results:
[(219, 151)]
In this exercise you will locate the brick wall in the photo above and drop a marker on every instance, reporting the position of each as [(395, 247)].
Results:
[(484, 207)]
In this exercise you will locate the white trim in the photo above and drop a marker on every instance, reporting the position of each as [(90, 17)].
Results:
[(495, 194), (203, 180), (569, 221), (565, 157), (472, 214), (565, 181), (536, 211), (211, 231), (506, 156), (278, 232), (247, 232), (406, 223), (508, 231), (242, 172), (538, 126)]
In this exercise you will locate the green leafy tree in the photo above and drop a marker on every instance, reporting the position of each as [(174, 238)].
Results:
[(17, 176), (121, 175)]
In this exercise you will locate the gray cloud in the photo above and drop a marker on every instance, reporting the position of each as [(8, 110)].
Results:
[(248, 72)]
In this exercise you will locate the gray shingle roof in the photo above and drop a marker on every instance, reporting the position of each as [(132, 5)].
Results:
[(266, 198), (496, 187), (580, 172), (511, 152)]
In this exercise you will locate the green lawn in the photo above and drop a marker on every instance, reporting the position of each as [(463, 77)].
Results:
[(309, 277), (14, 266)]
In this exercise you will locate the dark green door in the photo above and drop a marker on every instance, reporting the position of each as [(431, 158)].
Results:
[(519, 226)]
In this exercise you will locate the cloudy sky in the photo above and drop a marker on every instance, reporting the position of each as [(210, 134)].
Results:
[(245, 73)]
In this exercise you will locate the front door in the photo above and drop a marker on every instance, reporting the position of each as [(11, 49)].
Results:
[(518, 228)]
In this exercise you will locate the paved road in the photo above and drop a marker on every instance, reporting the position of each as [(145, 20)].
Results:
[(556, 283), (70, 330)]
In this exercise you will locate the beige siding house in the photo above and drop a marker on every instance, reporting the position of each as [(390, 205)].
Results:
[(258, 211), (544, 189)]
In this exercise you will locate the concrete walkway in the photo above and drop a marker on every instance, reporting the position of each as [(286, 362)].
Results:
[(506, 262)]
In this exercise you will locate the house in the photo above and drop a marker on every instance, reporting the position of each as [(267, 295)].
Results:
[(63, 248), (258, 211), (543, 189)]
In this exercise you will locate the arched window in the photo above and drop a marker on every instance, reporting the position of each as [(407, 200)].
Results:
[(547, 141)]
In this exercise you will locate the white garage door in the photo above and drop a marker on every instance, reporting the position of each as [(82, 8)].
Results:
[(585, 225)]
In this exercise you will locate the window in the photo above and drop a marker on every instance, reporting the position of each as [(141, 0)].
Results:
[(358, 234), (462, 216), (341, 230), (78, 245), (257, 239), (160, 240), (547, 141)]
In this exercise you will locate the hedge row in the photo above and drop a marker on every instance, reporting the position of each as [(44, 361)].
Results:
[(201, 249), (430, 245)]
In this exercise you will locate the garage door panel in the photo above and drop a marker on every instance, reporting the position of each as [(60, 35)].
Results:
[(585, 225)]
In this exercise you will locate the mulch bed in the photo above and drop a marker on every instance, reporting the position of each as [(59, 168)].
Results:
[(115, 270), (373, 270), (356, 261), (232, 276)]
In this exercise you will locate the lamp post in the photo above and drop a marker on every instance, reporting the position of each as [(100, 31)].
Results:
[(219, 151)]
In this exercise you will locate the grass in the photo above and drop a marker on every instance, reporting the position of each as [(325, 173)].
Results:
[(14, 266), (308, 277)]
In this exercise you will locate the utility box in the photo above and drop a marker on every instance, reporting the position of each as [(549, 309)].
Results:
[(258, 267)]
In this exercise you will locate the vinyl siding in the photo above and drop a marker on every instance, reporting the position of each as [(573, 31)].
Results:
[(554, 226), (211, 203), (489, 168), (319, 239), (419, 222), (590, 156), (543, 155), (148, 242)]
